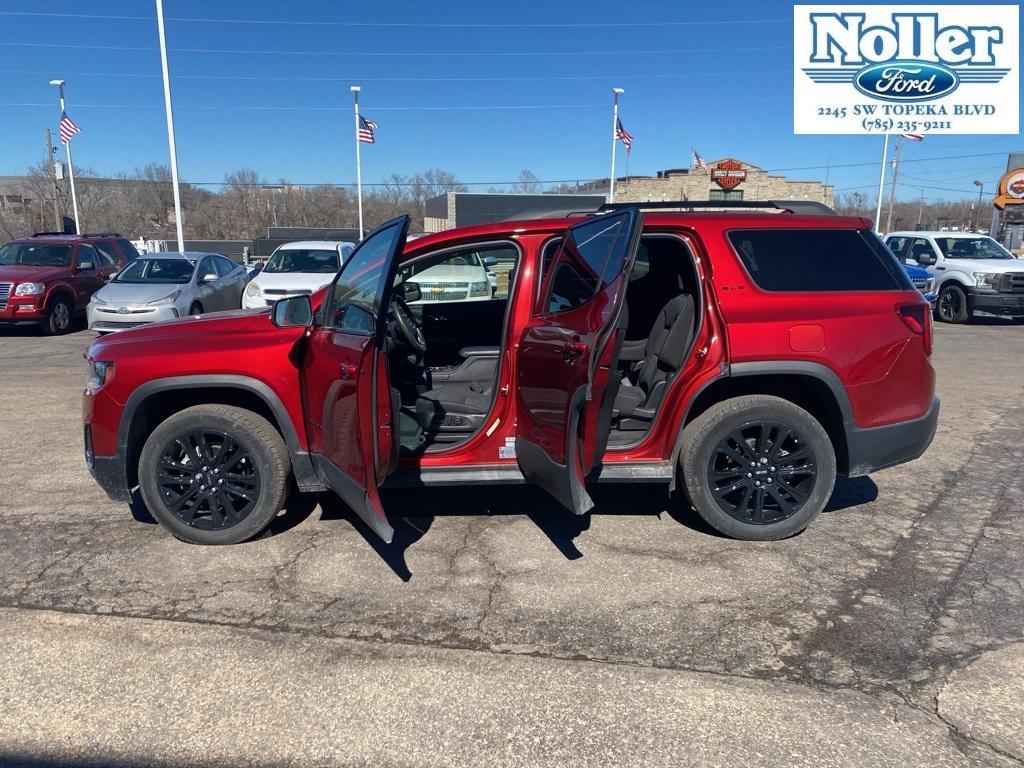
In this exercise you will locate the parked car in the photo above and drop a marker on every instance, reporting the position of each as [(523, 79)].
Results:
[(48, 279), (296, 269), (737, 361), (461, 277), (164, 286), (923, 281), (973, 273)]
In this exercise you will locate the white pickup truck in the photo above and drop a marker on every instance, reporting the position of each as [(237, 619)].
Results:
[(973, 273)]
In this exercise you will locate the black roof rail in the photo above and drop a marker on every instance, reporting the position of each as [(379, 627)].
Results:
[(72, 234), (790, 206), (52, 234), (100, 234)]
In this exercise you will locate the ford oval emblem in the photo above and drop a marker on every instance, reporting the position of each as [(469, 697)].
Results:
[(904, 80)]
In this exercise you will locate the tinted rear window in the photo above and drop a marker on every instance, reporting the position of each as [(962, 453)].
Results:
[(818, 260)]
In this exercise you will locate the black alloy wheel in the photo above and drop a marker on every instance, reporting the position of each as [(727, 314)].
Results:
[(214, 474), (761, 473), (952, 305), (757, 467), (208, 480)]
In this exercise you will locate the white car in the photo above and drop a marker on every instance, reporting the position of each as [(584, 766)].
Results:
[(972, 272), (164, 286), (465, 277), (296, 269)]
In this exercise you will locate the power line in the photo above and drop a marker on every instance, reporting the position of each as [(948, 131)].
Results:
[(408, 24), (289, 79), (423, 108), (402, 54)]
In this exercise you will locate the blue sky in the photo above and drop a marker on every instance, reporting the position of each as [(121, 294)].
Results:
[(724, 88)]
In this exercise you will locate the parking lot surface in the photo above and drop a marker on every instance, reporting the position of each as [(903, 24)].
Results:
[(499, 630)]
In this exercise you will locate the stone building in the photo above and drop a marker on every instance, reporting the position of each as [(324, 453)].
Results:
[(724, 179)]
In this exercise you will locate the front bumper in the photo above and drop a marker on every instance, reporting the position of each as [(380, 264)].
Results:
[(22, 309), (1011, 304), (107, 318), (872, 449)]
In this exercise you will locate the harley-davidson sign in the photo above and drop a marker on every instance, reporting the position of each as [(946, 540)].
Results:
[(729, 174), (1011, 189)]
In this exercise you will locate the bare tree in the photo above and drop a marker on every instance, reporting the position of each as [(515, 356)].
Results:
[(528, 183)]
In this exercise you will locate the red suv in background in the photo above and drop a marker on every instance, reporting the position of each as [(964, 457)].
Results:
[(753, 355), (49, 278)]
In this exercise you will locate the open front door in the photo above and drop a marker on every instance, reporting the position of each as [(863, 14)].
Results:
[(568, 354), (346, 392)]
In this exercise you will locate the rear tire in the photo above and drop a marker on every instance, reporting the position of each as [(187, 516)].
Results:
[(214, 474), (757, 467), (952, 305), (58, 317)]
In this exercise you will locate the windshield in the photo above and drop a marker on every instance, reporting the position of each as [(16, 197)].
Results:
[(37, 254), (303, 260), (972, 248), (156, 271)]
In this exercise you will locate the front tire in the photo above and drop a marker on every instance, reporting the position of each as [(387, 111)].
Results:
[(757, 467), (58, 317), (214, 474), (952, 305), (196, 309)]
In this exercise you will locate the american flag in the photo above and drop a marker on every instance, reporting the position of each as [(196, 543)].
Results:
[(913, 136), (623, 135), (366, 129), (698, 161), (67, 128)]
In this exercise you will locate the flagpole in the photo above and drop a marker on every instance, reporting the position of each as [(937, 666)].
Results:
[(895, 173), (881, 184), (689, 173), (615, 125), (71, 165), (170, 125), (359, 169)]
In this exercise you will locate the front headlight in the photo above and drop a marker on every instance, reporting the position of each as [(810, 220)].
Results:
[(165, 300), (96, 299), (986, 280), (253, 289), (97, 373), (480, 289), (29, 289), (927, 287)]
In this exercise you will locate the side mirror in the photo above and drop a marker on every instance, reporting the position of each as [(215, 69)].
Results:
[(292, 312), (85, 264), (490, 261), (209, 277), (411, 292)]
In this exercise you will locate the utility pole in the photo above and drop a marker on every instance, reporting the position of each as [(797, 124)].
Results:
[(920, 211), (892, 193), (169, 113), (881, 183), (53, 176)]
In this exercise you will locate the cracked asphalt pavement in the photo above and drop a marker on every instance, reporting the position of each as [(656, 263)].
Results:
[(499, 630)]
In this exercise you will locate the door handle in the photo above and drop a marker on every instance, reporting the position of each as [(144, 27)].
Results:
[(575, 349), (347, 370)]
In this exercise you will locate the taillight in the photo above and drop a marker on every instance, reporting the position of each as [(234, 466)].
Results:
[(918, 318)]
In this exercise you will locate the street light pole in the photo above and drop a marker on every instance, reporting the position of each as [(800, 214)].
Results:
[(981, 190), (359, 167), (71, 165), (615, 127), (170, 124)]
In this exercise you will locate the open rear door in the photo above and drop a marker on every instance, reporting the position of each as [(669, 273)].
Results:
[(349, 406), (568, 354)]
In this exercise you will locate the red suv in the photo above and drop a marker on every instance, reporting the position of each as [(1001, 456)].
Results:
[(49, 278), (753, 355)]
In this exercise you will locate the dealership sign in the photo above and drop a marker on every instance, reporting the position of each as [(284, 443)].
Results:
[(906, 69), (1011, 189), (728, 174)]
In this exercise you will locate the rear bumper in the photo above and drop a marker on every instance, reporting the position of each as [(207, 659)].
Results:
[(997, 303), (880, 447)]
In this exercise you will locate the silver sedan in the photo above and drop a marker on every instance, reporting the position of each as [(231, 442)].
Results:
[(164, 286)]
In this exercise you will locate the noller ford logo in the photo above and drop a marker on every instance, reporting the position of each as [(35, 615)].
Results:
[(906, 69)]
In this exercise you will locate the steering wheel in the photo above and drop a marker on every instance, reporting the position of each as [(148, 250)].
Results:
[(408, 325)]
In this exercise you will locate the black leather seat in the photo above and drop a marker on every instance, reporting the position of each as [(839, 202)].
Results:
[(454, 407), (663, 356)]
